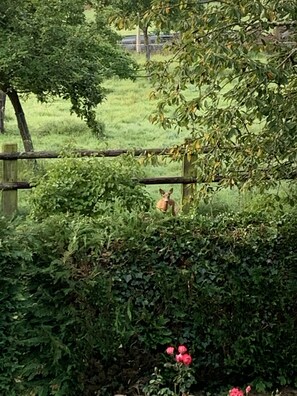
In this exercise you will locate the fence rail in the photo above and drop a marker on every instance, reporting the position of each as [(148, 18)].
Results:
[(10, 184), (82, 153), (146, 181)]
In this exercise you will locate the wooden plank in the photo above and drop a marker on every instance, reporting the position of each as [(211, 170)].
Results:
[(9, 175), (147, 181), (15, 186), (84, 153), (91, 153)]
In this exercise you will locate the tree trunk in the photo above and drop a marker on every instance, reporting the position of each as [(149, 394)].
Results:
[(21, 119), (146, 43), (2, 111)]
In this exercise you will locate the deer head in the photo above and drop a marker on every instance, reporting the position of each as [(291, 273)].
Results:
[(166, 201)]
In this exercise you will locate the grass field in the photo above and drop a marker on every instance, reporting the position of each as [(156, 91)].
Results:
[(124, 114)]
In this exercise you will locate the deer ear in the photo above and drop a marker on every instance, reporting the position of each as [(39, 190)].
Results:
[(162, 192), (171, 190)]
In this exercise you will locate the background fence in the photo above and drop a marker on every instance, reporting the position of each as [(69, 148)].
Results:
[(156, 42), (10, 183)]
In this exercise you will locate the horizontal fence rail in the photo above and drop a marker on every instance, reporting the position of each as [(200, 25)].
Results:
[(90, 153), (146, 181), (10, 184), (82, 153), (10, 156)]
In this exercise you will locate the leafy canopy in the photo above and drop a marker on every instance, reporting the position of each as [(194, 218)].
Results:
[(49, 49), (231, 82), (127, 13)]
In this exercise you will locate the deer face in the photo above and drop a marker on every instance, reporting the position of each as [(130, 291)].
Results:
[(166, 195)]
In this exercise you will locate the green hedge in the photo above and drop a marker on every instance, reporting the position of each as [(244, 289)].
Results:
[(225, 288), (105, 296), (13, 255)]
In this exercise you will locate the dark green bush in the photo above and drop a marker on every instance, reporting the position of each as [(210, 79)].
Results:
[(106, 295), (225, 288), (63, 330), (13, 255)]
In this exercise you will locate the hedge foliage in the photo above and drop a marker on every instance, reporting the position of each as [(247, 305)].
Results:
[(102, 297), (13, 255)]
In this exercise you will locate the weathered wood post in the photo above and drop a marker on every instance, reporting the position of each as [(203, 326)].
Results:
[(9, 175), (189, 171)]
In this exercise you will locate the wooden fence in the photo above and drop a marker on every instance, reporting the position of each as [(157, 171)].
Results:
[(10, 184)]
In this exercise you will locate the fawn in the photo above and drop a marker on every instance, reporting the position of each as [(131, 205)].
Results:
[(166, 201)]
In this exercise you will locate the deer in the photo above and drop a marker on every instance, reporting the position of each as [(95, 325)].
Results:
[(166, 201)]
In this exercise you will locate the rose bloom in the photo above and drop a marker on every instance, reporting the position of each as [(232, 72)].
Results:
[(182, 349), (248, 389), (179, 358), (235, 392), (187, 359), (170, 350)]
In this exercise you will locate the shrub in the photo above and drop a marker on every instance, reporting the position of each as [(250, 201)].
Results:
[(63, 325), (224, 287), (13, 256), (105, 294), (89, 186)]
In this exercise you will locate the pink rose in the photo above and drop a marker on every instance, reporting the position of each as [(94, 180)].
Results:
[(235, 392), (182, 349), (170, 350), (187, 359), (248, 389), (179, 358)]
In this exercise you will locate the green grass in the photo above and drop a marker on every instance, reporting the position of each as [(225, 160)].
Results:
[(125, 115)]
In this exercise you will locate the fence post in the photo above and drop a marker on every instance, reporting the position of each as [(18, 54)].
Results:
[(9, 175), (189, 171)]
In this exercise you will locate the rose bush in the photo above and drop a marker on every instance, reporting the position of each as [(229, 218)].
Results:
[(180, 376)]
